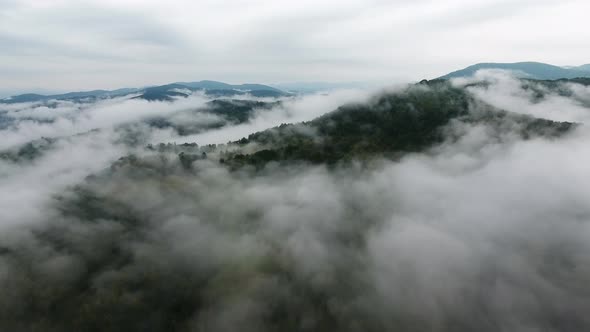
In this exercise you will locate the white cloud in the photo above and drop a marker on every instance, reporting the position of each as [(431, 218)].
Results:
[(506, 92), (292, 110), (71, 118)]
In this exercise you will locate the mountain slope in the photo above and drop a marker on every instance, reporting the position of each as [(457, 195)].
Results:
[(390, 125), (534, 70)]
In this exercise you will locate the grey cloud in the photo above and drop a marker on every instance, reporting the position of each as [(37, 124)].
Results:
[(119, 43), (74, 31)]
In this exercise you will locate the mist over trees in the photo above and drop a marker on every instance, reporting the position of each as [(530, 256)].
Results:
[(431, 206)]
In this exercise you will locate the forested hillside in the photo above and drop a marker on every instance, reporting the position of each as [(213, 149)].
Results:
[(302, 226)]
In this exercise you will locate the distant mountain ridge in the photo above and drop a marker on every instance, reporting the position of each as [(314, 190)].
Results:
[(161, 92), (214, 85), (585, 67), (533, 70), (33, 97)]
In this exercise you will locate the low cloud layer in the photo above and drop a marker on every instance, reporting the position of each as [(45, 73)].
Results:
[(479, 233), (506, 92), (292, 110), (97, 142), (64, 118)]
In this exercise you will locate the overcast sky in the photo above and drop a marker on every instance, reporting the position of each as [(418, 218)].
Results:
[(87, 44)]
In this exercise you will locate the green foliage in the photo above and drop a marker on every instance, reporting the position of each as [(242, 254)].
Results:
[(238, 111), (389, 125), (29, 151), (227, 111)]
